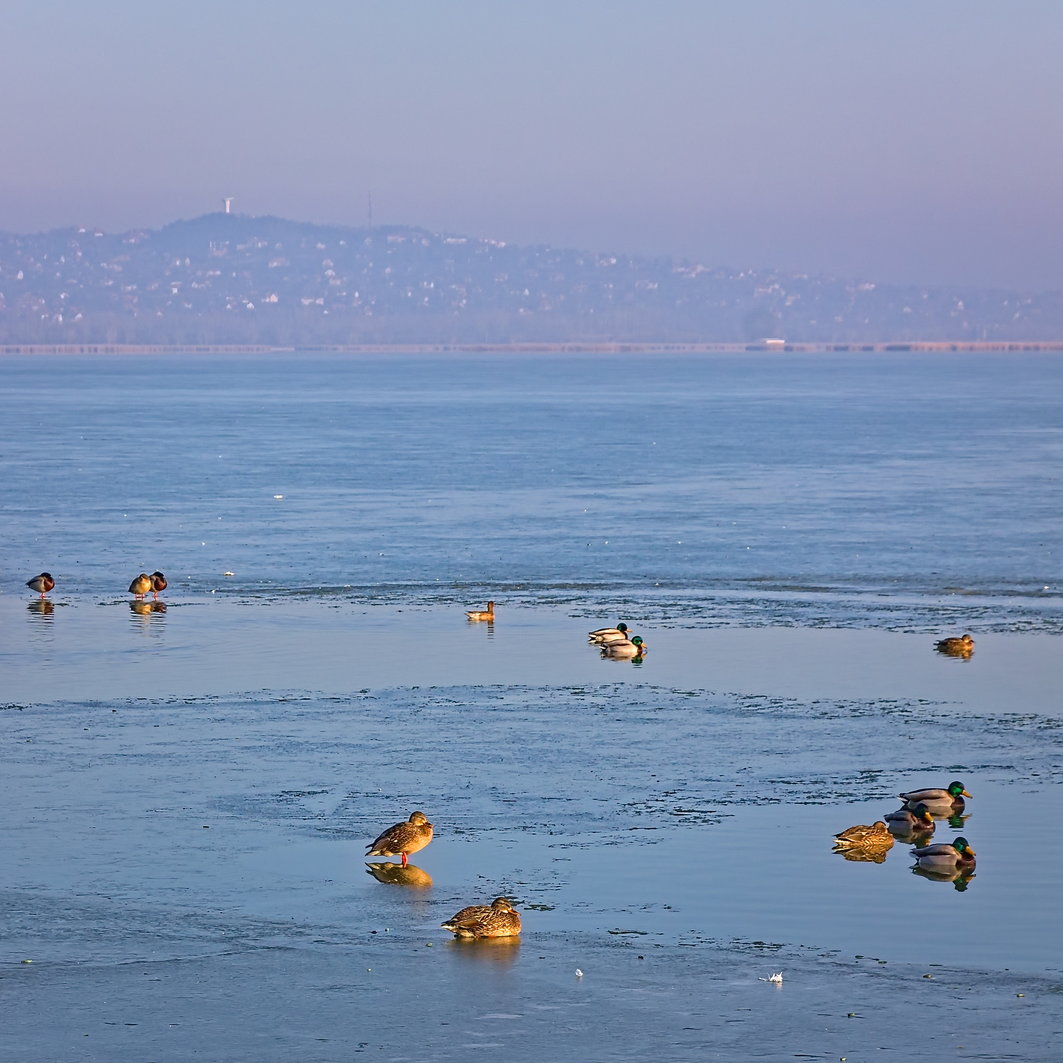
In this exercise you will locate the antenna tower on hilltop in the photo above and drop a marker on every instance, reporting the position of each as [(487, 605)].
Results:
[(228, 201)]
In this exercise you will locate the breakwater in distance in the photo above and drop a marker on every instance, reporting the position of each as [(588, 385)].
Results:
[(610, 347)]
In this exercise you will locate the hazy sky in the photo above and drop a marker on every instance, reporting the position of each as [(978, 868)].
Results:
[(890, 139)]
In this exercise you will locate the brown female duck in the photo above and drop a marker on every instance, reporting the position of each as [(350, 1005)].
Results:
[(403, 839), (482, 614), (141, 585), (863, 836), (495, 920)]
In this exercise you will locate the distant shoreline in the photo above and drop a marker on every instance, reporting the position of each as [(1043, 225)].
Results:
[(531, 348)]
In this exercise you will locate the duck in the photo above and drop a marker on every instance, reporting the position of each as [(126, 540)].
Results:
[(863, 836), (42, 584), (403, 838), (963, 646), (907, 820), (482, 614), (608, 634), (141, 585), (495, 920), (158, 583), (939, 801), (624, 648), (946, 858)]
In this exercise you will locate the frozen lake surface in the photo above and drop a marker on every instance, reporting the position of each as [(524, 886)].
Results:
[(190, 786)]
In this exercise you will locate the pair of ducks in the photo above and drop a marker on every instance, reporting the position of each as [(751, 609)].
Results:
[(498, 919), (143, 583), (616, 642), (916, 816)]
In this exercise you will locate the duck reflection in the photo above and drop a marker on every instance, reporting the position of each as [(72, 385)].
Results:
[(498, 952), (864, 854), (397, 875), (145, 611), (959, 877), (41, 608)]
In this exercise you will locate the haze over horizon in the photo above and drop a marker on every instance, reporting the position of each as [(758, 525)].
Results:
[(901, 143)]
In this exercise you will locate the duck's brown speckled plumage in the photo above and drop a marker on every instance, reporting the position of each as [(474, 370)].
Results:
[(865, 836), (403, 838), (482, 614), (495, 920), (158, 583)]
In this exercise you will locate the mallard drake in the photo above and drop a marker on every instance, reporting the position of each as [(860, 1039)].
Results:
[(608, 634), (907, 820), (482, 614), (158, 583), (494, 920), (863, 836), (939, 801), (141, 585), (963, 646), (624, 648), (403, 839), (945, 858), (42, 584)]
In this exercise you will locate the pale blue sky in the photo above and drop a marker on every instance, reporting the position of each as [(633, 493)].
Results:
[(890, 139)]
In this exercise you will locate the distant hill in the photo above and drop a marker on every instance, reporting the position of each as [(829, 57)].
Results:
[(234, 279)]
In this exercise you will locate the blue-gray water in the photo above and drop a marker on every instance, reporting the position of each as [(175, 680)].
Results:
[(190, 786)]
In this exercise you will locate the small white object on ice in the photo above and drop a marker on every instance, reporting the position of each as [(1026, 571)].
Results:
[(278, 497), (579, 973), (775, 979)]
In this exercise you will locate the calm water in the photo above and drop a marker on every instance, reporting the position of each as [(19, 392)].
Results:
[(195, 782), (907, 474)]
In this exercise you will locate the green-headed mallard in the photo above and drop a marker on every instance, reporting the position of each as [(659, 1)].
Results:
[(158, 583), (403, 839), (864, 836), (940, 801), (608, 634), (141, 585), (624, 648), (482, 614), (42, 584), (907, 820), (963, 646), (494, 920), (945, 858)]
